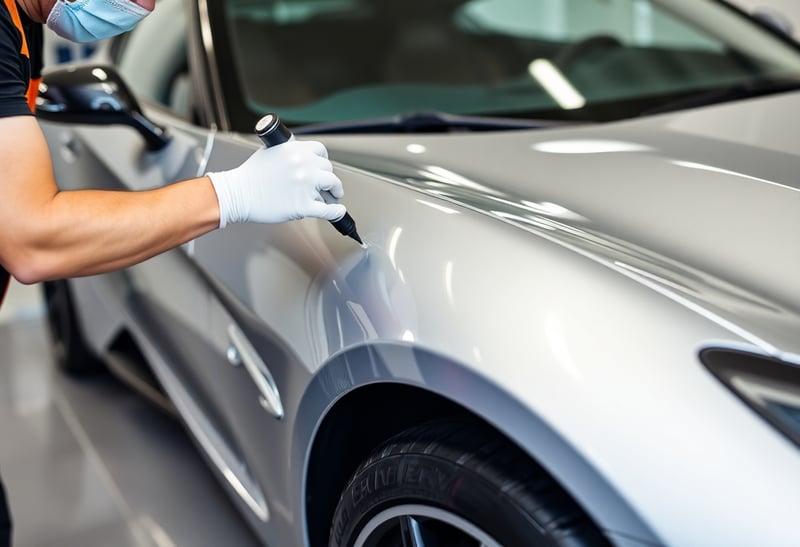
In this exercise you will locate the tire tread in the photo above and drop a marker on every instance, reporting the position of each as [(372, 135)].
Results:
[(479, 449)]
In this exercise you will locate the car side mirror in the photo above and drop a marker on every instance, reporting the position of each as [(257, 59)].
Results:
[(95, 95)]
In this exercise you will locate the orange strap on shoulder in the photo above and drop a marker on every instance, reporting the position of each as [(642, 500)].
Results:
[(33, 85), (33, 92), (12, 9)]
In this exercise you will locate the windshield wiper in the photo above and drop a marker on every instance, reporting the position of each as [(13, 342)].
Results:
[(726, 94), (424, 122)]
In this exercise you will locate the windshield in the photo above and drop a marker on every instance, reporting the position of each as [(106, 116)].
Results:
[(323, 61)]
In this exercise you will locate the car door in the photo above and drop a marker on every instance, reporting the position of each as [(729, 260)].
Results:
[(249, 271), (164, 301)]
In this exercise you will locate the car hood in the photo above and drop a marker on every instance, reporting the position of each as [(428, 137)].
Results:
[(702, 205)]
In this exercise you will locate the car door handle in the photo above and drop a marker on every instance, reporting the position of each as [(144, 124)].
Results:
[(269, 397)]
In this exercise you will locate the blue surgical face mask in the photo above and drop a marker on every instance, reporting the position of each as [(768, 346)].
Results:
[(91, 20)]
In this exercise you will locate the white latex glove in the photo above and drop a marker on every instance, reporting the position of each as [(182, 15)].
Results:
[(279, 183)]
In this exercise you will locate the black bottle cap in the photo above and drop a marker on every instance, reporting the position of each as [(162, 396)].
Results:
[(272, 131)]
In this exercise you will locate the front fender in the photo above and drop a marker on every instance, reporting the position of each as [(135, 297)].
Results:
[(408, 365)]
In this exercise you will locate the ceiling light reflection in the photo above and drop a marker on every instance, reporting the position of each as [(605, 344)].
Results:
[(546, 208), (448, 280), (543, 208), (589, 146), (539, 223), (393, 246), (652, 276), (559, 345), (711, 168), (441, 174), (100, 74), (416, 149), (553, 210), (442, 208), (556, 84)]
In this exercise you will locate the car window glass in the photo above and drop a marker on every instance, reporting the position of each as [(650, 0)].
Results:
[(631, 22), (152, 58), (330, 60)]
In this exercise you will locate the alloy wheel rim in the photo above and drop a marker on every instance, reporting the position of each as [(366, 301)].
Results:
[(416, 525)]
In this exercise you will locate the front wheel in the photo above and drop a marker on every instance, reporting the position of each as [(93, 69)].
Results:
[(456, 483)]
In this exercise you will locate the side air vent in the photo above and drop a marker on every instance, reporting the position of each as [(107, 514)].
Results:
[(769, 386)]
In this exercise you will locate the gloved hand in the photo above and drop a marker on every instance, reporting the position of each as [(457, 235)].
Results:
[(279, 183)]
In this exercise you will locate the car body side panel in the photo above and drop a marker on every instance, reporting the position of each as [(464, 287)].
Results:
[(578, 332), (673, 189), (575, 337), (162, 302)]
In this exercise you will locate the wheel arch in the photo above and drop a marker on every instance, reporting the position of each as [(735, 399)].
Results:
[(367, 394)]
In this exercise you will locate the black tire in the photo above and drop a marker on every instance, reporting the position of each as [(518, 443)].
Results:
[(455, 482), (70, 351)]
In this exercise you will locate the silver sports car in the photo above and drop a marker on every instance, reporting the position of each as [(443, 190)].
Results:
[(577, 319)]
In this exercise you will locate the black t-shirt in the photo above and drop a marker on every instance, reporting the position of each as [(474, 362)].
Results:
[(16, 71)]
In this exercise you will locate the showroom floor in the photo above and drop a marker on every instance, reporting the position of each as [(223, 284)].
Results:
[(90, 463)]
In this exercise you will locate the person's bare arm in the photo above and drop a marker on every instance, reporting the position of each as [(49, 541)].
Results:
[(49, 234), (46, 234)]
